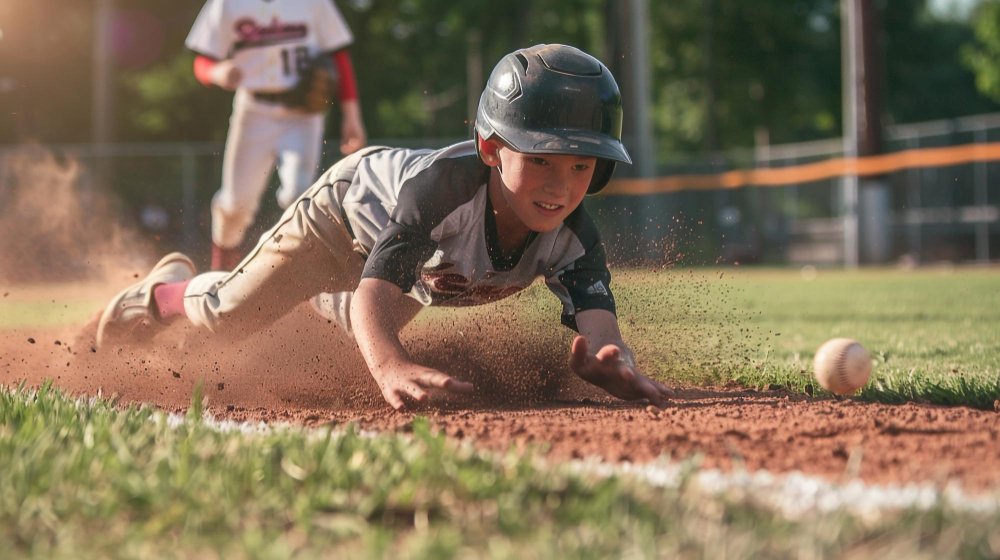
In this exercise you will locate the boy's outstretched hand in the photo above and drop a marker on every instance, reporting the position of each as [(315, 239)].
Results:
[(609, 371), (413, 381)]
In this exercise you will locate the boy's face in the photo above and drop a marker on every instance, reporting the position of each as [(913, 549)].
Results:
[(543, 189)]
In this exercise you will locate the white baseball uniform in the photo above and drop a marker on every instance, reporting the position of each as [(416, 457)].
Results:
[(271, 42)]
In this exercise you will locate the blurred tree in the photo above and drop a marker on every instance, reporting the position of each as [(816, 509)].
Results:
[(169, 104), (770, 65), (726, 73), (925, 77), (42, 71), (162, 100), (410, 56), (982, 56), (413, 55)]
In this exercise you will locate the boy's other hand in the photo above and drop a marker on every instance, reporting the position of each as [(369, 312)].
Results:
[(352, 129), (226, 75), (413, 381), (609, 371)]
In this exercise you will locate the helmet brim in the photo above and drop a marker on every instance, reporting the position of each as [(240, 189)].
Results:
[(565, 141)]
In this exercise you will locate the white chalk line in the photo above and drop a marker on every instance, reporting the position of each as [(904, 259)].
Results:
[(792, 494)]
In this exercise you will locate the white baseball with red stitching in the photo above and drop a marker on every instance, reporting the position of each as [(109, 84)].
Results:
[(842, 365)]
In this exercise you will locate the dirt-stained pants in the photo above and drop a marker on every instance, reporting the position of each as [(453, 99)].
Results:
[(309, 251)]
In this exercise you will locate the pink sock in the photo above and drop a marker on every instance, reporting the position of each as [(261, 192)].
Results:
[(169, 299)]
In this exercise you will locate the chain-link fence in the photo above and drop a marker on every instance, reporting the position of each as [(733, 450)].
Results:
[(933, 213)]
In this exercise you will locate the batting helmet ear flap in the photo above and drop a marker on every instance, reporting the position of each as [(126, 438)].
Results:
[(486, 149), (603, 170)]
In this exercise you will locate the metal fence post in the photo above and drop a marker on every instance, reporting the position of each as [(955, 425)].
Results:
[(981, 184), (189, 188), (911, 215)]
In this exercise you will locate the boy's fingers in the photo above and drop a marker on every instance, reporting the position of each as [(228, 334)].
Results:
[(442, 381), (579, 353), (610, 352), (430, 379), (652, 393), (664, 397), (664, 390), (414, 391), (393, 399), (456, 386)]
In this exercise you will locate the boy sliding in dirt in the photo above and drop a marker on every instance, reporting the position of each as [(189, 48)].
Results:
[(386, 231)]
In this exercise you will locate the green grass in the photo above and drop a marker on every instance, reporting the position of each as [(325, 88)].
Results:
[(934, 335), (45, 314), (50, 305), (88, 479), (85, 480)]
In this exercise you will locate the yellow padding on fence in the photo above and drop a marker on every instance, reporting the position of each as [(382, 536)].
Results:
[(818, 171)]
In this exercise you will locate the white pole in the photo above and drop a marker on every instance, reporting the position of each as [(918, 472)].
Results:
[(643, 156), (103, 93), (102, 104), (849, 29)]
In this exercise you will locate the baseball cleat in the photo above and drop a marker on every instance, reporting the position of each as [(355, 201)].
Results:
[(131, 315)]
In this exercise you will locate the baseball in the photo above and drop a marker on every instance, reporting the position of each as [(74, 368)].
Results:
[(842, 366)]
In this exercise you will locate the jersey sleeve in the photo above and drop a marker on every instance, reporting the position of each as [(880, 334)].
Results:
[(426, 199), (398, 252), (332, 31), (210, 36), (348, 88), (585, 283)]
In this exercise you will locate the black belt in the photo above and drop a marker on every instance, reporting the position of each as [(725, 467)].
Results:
[(279, 97)]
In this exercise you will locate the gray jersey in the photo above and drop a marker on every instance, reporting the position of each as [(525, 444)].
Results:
[(425, 220)]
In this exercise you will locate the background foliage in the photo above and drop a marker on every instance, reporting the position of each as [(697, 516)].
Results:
[(724, 72)]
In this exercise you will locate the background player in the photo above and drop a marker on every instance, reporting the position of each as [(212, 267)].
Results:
[(464, 225), (262, 50)]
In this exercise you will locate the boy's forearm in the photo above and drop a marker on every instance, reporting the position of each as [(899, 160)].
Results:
[(600, 328), (379, 310), (350, 110)]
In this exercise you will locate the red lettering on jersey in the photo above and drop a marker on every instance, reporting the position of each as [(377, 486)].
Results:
[(446, 283), (450, 285), (252, 33)]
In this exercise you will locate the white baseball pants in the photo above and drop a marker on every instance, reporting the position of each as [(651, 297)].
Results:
[(307, 253), (259, 135)]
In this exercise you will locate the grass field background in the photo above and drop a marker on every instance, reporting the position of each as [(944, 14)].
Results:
[(934, 334), (88, 479)]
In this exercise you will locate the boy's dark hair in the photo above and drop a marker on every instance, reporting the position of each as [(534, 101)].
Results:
[(555, 99)]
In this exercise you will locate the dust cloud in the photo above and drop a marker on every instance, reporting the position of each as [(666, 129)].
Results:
[(57, 225)]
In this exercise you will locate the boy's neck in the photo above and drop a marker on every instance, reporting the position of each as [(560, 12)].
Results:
[(511, 231)]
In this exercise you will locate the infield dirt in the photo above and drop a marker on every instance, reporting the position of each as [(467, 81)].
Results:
[(303, 371)]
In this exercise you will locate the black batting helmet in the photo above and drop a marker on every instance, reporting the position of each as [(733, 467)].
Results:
[(555, 99)]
